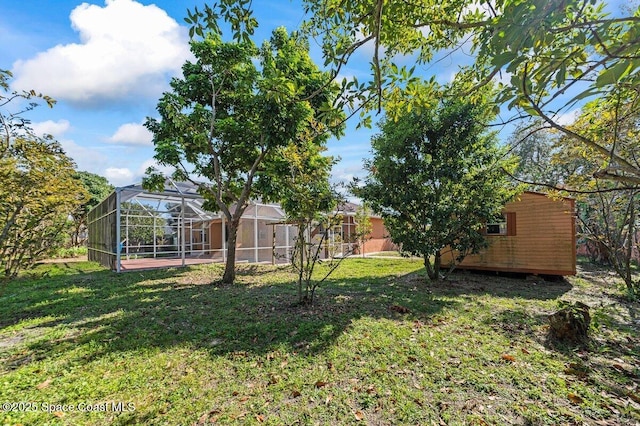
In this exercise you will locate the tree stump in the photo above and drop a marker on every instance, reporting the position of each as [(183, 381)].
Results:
[(571, 323)]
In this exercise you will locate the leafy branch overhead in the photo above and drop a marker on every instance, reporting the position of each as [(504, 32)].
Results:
[(549, 55), (13, 123)]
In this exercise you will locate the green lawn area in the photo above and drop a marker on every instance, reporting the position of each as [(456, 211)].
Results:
[(380, 346)]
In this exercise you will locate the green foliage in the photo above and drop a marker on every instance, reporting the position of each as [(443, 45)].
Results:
[(13, 123), (37, 195), (436, 177), (554, 54), (70, 252), (38, 191), (300, 182), (226, 118), (364, 227), (607, 210), (97, 188)]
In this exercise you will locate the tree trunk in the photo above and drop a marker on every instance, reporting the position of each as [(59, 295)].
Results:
[(433, 270), (629, 255), (300, 242), (230, 267), (429, 268)]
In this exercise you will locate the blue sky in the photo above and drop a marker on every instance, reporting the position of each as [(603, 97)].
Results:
[(107, 63)]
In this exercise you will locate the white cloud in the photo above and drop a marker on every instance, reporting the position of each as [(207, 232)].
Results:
[(50, 127), (119, 176), (165, 170), (125, 51), (132, 134), (567, 118), (90, 159)]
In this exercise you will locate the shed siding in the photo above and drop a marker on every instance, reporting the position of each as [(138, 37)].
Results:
[(544, 240)]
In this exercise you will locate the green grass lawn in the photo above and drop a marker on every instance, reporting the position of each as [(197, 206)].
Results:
[(380, 346)]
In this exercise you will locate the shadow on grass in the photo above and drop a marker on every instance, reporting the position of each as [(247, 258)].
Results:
[(165, 308), (501, 285)]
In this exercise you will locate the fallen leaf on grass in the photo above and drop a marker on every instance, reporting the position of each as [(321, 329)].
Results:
[(44, 384), (575, 372), (400, 309), (575, 398), (240, 416), (296, 393), (634, 397), (507, 357), (260, 418), (321, 384), (359, 415), (524, 351), (58, 414), (273, 379), (208, 418)]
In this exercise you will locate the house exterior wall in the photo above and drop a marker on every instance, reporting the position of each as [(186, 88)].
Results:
[(215, 234), (378, 239), (544, 240)]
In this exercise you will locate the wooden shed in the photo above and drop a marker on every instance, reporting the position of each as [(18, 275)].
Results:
[(536, 235)]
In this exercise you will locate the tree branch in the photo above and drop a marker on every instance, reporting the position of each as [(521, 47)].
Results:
[(628, 167), (564, 189)]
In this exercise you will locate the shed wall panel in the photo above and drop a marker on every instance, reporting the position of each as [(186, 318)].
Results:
[(544, 239)]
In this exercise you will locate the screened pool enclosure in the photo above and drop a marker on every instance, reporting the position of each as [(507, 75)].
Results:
[(137, 229)]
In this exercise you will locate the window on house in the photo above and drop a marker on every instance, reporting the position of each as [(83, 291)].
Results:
[(504, 225)]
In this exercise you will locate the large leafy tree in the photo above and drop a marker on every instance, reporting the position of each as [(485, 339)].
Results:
[(13, 122), (37, 194), (38, 191), (225, 118), (436, 179)]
